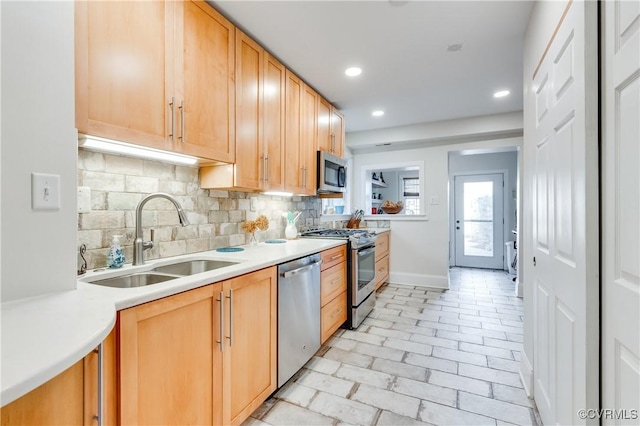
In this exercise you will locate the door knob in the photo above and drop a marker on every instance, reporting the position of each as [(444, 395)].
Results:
[(457, 227)]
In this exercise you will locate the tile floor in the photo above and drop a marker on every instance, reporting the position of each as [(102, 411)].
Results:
[(421, 357)]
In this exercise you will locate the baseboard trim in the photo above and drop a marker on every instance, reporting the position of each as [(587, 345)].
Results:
[(419, 280), (526, 374)]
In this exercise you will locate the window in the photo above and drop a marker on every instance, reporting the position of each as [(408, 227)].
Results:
[(411, 195)]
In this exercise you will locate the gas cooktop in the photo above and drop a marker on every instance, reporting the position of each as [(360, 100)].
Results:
[(358, 237)]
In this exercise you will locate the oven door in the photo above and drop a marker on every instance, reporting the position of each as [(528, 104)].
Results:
[(363, 273)]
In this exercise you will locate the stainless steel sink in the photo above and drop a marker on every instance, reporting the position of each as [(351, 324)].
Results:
[(164, 273), (140, 279), (192, 267)]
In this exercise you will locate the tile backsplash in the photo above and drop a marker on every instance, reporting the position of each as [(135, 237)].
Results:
[(118, 183)]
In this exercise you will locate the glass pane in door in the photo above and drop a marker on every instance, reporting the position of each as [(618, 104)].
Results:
[(478, 219)]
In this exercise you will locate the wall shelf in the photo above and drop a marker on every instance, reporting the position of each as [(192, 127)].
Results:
[(378, 184)]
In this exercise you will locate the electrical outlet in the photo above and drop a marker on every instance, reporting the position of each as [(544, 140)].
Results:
[(45, 191), (435, 200), (84, 199)]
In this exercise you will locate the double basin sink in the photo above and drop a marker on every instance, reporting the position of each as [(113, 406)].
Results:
[(163, 273)]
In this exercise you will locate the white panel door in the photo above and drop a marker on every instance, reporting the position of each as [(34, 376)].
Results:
[(621, 212), (479, 221), (565, 220)]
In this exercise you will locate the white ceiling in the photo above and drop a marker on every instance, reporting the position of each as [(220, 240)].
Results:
[(402, 49)]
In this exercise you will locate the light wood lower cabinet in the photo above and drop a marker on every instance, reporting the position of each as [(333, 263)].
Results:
[(333, 291), (57, 402), (205, 356), (382, 259), (251, 343), (170, 364), (70, 398)]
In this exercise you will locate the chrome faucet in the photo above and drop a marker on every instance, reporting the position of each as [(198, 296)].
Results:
[(139, 246)]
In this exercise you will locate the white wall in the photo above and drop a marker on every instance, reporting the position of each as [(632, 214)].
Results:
[(544, 19), (479, 163), (38, 135), (420, 247)]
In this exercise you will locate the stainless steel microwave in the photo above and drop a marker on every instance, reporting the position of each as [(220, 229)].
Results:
[(332, 173)]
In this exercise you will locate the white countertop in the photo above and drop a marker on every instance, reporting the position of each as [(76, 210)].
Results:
[(45, 335)]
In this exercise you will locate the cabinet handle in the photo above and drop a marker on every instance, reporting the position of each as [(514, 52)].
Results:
[(304, 176), (266, 167), (221, 341), (99, 416), (336, 313), (230, 297), (336, 280), (182, 117), (337, 256), (333, 142), (173, 118)]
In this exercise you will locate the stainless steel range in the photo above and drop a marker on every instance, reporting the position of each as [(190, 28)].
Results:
[(361, 270)]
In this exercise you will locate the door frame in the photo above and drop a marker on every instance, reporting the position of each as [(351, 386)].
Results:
[(452, 212)]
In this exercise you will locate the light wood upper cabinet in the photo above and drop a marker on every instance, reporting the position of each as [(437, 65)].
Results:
[(293, 116), (249, 104), (250, 335), (124, 70), (330, 128), (156, 73), (274, 124), (260, 124), (205, 89), (324, 125), (337, 132), (308, 139), (170, 363)]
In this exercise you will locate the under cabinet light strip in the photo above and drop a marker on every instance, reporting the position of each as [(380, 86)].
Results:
[(94, 143)]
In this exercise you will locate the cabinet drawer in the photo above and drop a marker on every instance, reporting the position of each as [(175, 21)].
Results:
[(382, 271), (333, 256), (382, 245), (332, 316), (333, 281)]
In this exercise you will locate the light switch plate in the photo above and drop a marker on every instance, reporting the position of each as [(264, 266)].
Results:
[(434, 200), (84, 199), (45, 191)]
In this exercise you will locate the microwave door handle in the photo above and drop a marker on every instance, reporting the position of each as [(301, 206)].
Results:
[(342, 174)]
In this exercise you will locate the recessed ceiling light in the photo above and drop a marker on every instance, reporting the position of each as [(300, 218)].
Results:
[(454, 47), (353, 71), (378, 113), (501, 94)]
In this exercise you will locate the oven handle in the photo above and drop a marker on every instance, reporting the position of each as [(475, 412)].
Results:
[(301, 270), (366, 252)]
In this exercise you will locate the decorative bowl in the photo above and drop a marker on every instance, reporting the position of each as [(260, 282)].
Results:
[(392, 210)]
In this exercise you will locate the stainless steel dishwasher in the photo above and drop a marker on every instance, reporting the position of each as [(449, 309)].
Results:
[(298, 314)]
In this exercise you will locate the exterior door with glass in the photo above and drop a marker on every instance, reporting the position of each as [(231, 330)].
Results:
[(479, 221)]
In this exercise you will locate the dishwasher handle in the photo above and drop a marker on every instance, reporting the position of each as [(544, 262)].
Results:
[(300, 270)]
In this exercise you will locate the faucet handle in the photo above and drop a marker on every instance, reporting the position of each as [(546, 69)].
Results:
[(153, 233), (146, 245)]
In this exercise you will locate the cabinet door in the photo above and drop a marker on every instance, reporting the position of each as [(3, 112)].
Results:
[(205, 82), (274, 123), (249, 79), (250, 354), (170, 363), (325, 138), (337, 132), (293, 170), (124, 70), (308, 142)]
